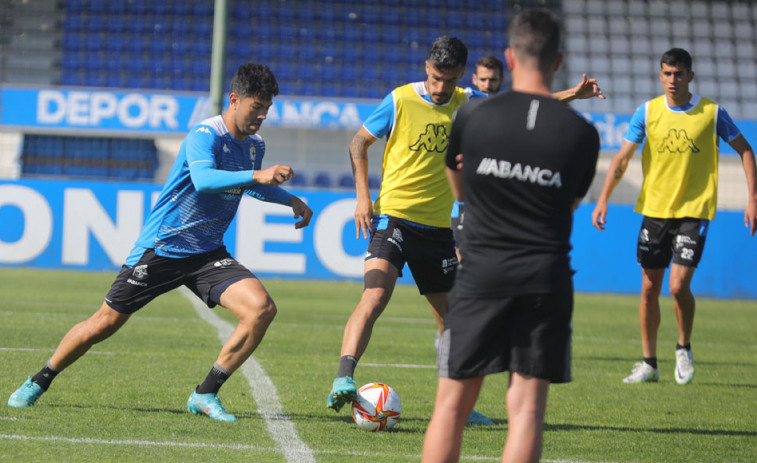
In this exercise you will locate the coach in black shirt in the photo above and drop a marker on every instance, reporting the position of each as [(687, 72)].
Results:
[(527, 162)]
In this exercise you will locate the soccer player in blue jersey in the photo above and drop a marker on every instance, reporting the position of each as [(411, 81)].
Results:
[(182, 242)]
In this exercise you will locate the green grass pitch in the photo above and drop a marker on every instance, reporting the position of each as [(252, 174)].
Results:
[(126, 399)]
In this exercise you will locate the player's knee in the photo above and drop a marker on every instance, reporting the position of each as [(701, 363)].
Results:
[(374, 300), (262, 312), (679, 288), (650, 288)]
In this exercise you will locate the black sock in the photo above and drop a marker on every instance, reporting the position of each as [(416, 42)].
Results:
[(347, 364), (45, 376), (215, 379), (687, 346), (651, 361)]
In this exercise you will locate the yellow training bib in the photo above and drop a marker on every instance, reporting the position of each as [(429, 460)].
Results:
[(680, 161), (414, 184)]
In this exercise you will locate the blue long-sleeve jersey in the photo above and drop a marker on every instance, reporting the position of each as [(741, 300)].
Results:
[(202, 192)]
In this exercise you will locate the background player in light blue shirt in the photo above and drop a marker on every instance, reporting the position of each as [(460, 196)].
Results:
[(182, 242)]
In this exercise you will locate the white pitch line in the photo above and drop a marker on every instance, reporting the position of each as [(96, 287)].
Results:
[(397, 365), (263, 391)]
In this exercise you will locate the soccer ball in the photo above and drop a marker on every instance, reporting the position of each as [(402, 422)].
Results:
[(377, 407)]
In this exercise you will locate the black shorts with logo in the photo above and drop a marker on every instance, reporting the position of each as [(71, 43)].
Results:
[(663, 239), (207, 275), (528, 334), (428, 251)]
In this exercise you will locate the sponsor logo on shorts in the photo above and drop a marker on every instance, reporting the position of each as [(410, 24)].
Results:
[(683, 240), (396, 238), (136, 283), (224, 262), (449, 265), (140, 272), (644, 235)]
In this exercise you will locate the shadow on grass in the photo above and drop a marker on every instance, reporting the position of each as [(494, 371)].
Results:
[(705, 432)]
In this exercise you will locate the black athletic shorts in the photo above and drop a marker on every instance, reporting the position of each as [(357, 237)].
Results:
[(529, 334), (428, 251), (663, 239), (207, 275)]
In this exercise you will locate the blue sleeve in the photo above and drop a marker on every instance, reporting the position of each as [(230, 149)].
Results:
[(637, 131), (269, 193), (202, 165), (726, 128), (380, 122), (472, 93)]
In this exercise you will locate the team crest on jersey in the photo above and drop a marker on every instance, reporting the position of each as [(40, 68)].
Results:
[(140, 272), (434, 139), (226, 149), (677, 141), (253, 153)]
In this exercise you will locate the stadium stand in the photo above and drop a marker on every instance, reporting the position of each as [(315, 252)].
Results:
[(353, 50), (624, 40), (89, 157)]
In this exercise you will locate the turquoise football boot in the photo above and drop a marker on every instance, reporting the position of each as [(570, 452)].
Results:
[(342, 391), (26, 395), (208, 405)]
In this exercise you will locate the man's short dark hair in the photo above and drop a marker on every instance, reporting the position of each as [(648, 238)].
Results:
[(253, 79), (676, 56), (493, 63), (535, 34), (448, 53)]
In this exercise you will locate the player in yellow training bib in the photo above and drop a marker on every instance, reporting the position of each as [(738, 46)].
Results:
[(678, 199)]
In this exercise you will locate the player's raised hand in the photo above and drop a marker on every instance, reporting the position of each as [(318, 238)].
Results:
[(300, 209), (588, 88), (274, 175)]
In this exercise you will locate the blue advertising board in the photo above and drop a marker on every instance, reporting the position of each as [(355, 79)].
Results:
[(93, 225), (110, 110), (93, 110)]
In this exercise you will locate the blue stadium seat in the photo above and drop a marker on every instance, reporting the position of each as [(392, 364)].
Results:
[(72, 23), (71, 41), (73, 6), (346, 181), (299, 179), (323, 180), (204, 9), (70, 61)]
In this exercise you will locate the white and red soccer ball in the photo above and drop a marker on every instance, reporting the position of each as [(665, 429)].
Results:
[(377, 407)]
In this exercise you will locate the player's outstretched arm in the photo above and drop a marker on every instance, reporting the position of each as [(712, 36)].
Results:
[(359, 159), (748, 161), (274, 175), (615, 172), (586, 88), (301, 210)]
